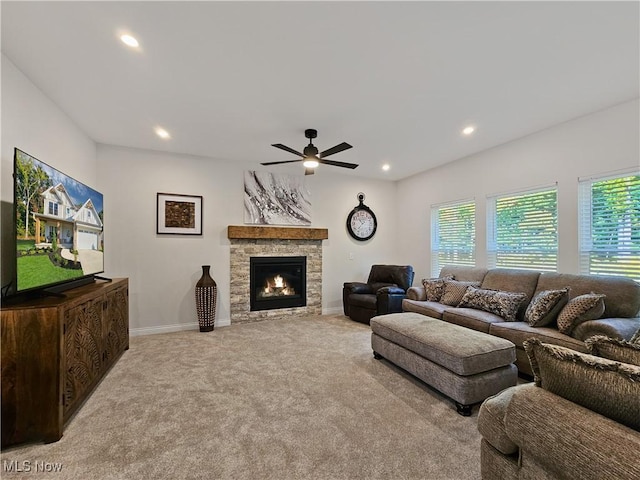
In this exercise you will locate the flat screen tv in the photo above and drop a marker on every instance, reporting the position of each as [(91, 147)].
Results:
[(58, 227)]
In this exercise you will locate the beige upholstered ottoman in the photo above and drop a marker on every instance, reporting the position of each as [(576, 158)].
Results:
[(466, 365)]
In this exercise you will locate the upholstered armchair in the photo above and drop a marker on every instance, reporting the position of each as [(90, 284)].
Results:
[(383, 293)]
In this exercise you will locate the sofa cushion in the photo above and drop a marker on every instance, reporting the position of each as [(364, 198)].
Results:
[(512, 280), (503, 304), (580, 309), (464, 274), (545, 307), (454, 290), (609, 388), (613, 349), (468, 317), (491, 421), (519, 332), (430, 309), (434, 287)]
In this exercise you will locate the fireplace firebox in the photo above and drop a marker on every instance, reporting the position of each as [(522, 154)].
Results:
[(278, 282)]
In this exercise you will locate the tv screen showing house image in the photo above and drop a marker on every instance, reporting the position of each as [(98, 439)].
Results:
[(58, 224)]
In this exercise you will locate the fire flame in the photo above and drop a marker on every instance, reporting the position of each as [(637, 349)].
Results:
[(278, 285)]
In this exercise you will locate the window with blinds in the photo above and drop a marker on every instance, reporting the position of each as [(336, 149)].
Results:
[(453, 235), (522, 230), (609, 225)]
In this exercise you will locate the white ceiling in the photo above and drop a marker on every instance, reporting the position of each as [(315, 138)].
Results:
[(397, 80)]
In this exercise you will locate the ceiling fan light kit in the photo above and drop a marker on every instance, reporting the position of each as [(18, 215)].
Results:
[(310, 156), (310, 162)]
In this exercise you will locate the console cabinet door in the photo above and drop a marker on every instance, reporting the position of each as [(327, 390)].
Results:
[(83, 351), (31, 396), (115, 326)]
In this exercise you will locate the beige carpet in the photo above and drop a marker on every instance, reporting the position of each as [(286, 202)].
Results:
[(282, 399)]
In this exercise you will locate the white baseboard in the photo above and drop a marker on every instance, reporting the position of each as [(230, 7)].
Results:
[(220, 322), (332, 311), (223, 322), (179, 327)]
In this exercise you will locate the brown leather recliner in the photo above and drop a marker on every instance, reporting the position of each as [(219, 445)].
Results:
[(383, 293)]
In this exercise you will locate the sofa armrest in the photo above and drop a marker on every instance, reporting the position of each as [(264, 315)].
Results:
[(619, 328), (417, 293), (568, 440), (491, 421), (357, 287)]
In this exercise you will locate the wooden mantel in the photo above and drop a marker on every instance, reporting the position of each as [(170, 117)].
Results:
[(279, 233)]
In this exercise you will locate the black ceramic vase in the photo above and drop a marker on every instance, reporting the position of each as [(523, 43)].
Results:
[(206, 297)]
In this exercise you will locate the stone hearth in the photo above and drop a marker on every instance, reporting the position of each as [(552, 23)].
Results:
[(254, 241)]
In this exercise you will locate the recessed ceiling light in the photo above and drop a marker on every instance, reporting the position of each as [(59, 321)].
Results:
[(162, 133), (386, 167), (129, 40), (469, 130)]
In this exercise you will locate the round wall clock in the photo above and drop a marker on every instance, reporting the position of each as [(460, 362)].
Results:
[(361, 221)]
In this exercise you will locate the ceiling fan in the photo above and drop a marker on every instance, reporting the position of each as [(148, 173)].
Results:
[(310, 156)]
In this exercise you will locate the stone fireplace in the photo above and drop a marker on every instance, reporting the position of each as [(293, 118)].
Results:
[(265, 242)]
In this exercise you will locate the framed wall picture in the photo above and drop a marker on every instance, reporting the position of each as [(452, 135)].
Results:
[(179, 214)]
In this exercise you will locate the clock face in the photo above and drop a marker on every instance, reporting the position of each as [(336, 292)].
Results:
[(362, 224)]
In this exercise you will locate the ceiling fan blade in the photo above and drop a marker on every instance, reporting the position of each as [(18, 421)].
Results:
[(337, 164), (337, 149), (309, 171), (278, 163), (286, 149)]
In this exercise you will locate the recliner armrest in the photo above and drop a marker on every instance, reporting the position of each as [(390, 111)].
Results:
[(391, 290), (389, 300), (358, 287)]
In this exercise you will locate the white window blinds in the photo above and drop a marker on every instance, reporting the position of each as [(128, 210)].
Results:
[(453, 235), (609, 225), (522, 230)]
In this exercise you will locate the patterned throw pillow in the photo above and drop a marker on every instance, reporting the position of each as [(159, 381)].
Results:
[(614, 349), (434, 287), (503, 304), (609, 388), (454, 290), (580, 309), (545, 307), (636, 337)]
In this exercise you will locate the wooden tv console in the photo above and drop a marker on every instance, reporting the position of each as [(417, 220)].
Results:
[(54, 353)]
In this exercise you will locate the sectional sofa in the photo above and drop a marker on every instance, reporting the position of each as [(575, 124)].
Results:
[(578, 420), (620, 318)]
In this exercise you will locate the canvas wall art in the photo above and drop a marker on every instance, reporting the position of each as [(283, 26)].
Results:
[(276, 199)]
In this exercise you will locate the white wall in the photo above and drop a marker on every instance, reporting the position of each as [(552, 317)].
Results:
[(163, 269), (34, 124), (595, 144)]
